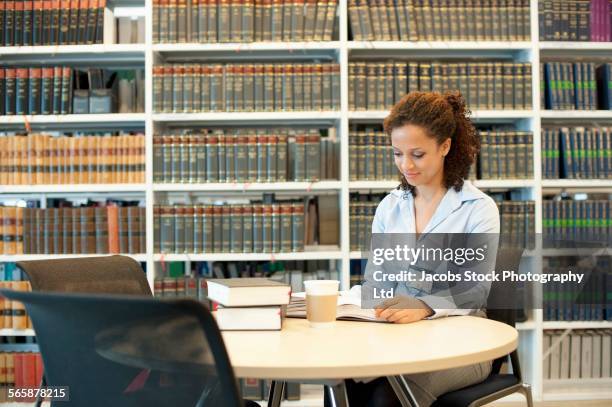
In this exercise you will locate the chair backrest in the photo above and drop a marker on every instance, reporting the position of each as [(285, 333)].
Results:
[(130, 351), (501, 295), (108, 274)]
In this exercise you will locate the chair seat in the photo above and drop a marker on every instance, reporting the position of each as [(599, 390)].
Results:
[(465, 396)]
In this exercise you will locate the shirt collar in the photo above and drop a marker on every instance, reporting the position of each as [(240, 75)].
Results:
[(451, 201)]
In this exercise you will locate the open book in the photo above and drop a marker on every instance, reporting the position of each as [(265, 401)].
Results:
[(349, 306)]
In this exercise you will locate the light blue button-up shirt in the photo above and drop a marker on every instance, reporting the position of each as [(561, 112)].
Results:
[(466, 211)]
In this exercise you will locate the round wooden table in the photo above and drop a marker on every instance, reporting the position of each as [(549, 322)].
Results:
[(365, 349)]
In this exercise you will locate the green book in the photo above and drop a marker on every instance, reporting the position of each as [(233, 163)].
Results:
[(226, 228), (236, 232), (297, 227), (212, 158)]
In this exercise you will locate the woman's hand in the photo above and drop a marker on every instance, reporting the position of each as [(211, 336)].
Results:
[(403, 310)]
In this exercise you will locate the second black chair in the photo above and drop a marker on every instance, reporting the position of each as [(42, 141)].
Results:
[(128, 351)]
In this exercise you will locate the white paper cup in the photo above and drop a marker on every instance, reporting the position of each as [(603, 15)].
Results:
[(321, 302)]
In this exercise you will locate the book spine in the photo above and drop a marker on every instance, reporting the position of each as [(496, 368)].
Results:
[(73, 21), (66, 91), (297, 227), (10, 82), (21, 91)]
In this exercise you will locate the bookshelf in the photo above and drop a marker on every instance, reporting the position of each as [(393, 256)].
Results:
[(342, 51)]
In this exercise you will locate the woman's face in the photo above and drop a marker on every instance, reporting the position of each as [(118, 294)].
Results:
[(418, 156)]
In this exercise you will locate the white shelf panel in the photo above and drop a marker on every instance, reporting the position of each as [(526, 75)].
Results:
[(577, 389), (584, 251), (440, 45), (245, 116), (254, 46), (492, 183), (239, 187), (504, 183), (306, 255), (75, 118), (577, 324), (578, 183), (28, 257), (575, 45), (17, 332), (576, 114), (76, 188), (375, 185), (526, 326), (357, 255), (477, 114), (109, 50)]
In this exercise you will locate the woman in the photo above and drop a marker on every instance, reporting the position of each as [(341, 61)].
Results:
[(434, 144)]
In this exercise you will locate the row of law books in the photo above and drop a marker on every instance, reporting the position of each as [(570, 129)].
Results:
[(505, 154), (517, 223), (232, 87), (246, 155), (485, 85), (577, 152), (370, 155), (39, 158), (211, 21), (579, 302), (12, 313), (253, 227), (362, 208), (66, 90), (36, 90), (19, 370), (575, 223), (581, 354), (73, 230), (54, 22), (576, 86), (579, 20), (439, 20)]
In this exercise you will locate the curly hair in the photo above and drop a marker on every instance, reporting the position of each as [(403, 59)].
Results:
[(442, 116)]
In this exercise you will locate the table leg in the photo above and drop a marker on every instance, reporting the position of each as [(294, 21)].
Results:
[(337, 394), (402, 390), (275, 396)]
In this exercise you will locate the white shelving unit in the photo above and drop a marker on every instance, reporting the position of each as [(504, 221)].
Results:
[(342, 50)]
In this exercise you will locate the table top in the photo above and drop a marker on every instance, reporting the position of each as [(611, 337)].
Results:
[(365, 349)]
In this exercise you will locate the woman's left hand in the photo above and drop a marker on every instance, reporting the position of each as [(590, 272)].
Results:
[(403, 310)]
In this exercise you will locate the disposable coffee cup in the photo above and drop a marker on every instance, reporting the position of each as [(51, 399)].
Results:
[(321, 302)]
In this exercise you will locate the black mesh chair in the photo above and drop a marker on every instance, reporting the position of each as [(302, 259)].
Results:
[(130, 351), (496, 385), (105, 275)]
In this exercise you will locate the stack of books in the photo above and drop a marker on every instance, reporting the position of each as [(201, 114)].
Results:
[(248, 303)]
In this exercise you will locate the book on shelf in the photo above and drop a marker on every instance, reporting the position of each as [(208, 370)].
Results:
[(202, 21), (246, 155), (439, 20), (579, 85), (232, 87), (572, 223), (248, 292), (238, 228), (12, 313), (77, 158), (505, 155), (72, 230), (65, 90), (587, 301), (21, 370), (484, 85), (349, 306), (582, 354), (51, 22), (581, 20), (576, 152)]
